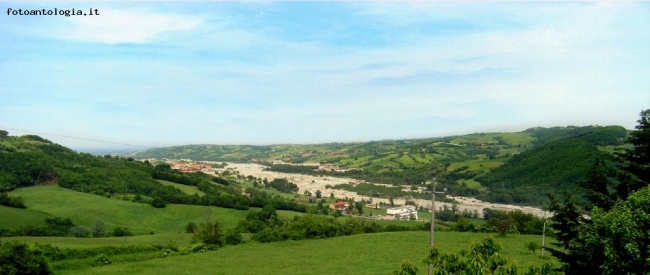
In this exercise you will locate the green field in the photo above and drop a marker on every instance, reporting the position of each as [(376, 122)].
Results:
[(477, 165), (8, 217), (181, 239), (359, 254), (187, 189), (82, 208)]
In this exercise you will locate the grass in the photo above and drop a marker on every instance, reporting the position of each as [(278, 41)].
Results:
[(360, 254), (471, 183), (187, 189), (477, 165), (181, 239), (140, 218), (9, 220)]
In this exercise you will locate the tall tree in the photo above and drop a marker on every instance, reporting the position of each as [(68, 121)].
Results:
[(615, 239), (637, 159)]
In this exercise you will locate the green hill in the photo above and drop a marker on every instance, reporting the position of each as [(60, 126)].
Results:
[(83, 208), (554, 156), (31, 160), (552, 167)]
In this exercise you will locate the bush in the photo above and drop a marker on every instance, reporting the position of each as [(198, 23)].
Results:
[(102, 259), (190, 227), (121, 232), (79, 231), (98, 229), (17, 258), (11, 201), (158, 203), (233, 237)]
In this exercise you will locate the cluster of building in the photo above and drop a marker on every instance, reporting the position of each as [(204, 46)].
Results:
[(191, 167), (401, 213)]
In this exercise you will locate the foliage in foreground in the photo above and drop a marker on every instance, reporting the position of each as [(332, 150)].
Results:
[(17, 258), (615, 240), (482, 258)]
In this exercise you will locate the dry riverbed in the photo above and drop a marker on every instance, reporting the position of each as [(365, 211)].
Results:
[(313, 183)]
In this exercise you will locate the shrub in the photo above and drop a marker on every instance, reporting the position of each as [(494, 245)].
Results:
[(17, 258), (98, 229), (158, 203), (121, 232), (102, 259), (190, 227), (233, 237), (79, 231)]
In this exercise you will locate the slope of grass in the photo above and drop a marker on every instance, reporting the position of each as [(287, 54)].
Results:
[(187, 189), (140, 218), (359, 254), (181, 239), (11, 218)]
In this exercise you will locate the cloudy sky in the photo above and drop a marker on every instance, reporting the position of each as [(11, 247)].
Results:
[(173, 73)]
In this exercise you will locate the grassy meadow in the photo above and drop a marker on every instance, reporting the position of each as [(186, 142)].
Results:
[(187, 189), (140, 218), (359, 254)]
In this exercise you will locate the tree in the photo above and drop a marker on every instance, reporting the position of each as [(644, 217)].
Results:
[(597, 186), (209, 233), (615, 239), (359, 206), (621, 237), (18, 258), (319, 194), (98, 229), (637, 159)]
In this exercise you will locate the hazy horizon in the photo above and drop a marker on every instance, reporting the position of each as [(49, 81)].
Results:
[(172, 73)]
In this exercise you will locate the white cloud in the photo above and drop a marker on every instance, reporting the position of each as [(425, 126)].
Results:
[(114, 26)]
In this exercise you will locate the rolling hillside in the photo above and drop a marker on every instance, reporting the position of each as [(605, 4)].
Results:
[(554, 166), (558, 156)]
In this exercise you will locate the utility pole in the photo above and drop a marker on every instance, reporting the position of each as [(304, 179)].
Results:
[(433, 220)]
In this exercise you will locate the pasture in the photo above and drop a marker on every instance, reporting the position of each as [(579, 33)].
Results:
[(359, 254), (140, 218)]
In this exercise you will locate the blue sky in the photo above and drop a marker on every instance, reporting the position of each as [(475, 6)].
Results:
[(173, 73)]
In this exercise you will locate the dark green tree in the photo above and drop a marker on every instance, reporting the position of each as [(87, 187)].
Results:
[(620, 236), (637, 159), (613, 240), (18, 258)]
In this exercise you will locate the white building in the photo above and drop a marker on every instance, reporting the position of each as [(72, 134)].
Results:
[(406, 213)]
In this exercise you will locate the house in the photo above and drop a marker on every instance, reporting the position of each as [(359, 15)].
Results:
[(341, 206), (406, 213)]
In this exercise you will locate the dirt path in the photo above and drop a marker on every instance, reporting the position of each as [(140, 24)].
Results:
[(313, 183)]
